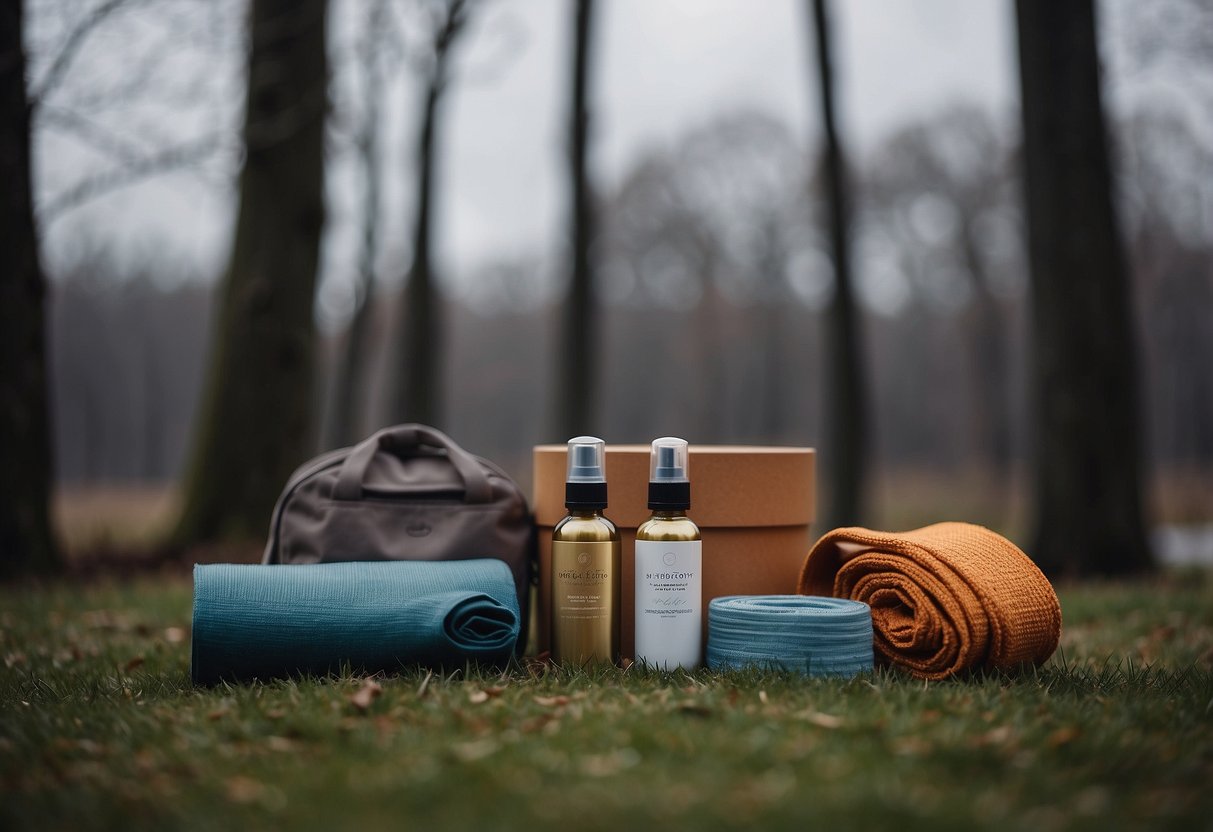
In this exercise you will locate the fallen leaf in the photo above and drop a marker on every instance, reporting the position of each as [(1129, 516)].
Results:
[(477, 697), (133, 664), (1163, 632), (243, 789), (822, 720), (283, 744), (537, 723), (1062, 736), (174, 635), (551, 701), (762, 697), (604, 765), (91, 748), (366, 694), (538, 664), (995, 736), (626, 663)]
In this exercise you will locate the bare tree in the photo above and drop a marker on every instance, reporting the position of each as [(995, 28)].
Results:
[(721, 215), (579, 317), (351, 370), (419, 365), (129, 159), (844, 451), (1167, 181), (27, 543), (1087, 500), (254, 424), (951, 174)]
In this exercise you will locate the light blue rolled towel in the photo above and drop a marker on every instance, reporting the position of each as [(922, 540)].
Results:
[(810, 635), (260, 622)]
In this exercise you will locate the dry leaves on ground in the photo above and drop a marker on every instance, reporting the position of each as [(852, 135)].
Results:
[(367, 693)]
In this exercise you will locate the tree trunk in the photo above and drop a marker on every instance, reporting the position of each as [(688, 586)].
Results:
[(580, 323), (770, 316), (254, 425), (27, 544), (418, 395), (345, 428), (1087, 500), (419, 378), (986, 334), (844, 453)]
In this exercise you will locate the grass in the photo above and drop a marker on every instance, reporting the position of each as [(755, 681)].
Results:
[(100, 728)]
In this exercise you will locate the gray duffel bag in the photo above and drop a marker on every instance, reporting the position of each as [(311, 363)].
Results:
[(405, 493)]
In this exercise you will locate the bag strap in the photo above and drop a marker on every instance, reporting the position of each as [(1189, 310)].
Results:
[(403, 438)]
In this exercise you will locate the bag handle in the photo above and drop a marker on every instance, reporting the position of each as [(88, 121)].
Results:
[(476, 487)]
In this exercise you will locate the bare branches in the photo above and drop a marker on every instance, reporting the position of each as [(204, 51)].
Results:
[(451, 26), (449, 23), (70, 48), (92, 132), (173, 158)]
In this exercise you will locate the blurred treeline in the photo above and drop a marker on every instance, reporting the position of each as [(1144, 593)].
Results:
[(1007, 308), (713, 280)]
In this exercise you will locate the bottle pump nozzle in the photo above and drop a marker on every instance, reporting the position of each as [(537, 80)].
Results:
[(585, 485), (669, 485)]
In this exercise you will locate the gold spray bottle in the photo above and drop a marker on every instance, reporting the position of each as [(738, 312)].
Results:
[(585, 563)]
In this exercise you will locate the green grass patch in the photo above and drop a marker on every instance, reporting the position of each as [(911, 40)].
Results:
[(100, 727)]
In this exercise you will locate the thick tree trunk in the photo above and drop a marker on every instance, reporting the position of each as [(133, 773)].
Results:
[(1087, 500), (27, 544), (844, 452), (418, 387), (580, 325), (255, 422)]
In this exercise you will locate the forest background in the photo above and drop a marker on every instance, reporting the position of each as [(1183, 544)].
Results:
[(523, 221)]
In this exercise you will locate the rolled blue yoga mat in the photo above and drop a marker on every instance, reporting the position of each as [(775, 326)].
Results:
[(812, 635), (271, 621)]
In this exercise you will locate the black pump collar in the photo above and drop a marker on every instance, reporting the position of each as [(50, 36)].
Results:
[(669, 496)]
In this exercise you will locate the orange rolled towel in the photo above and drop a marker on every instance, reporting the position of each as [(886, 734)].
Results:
[(944, 598)]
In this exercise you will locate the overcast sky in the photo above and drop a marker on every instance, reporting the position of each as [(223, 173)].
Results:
[(661, 67)]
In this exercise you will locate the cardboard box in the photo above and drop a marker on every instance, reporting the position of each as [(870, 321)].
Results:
[(753, 505)]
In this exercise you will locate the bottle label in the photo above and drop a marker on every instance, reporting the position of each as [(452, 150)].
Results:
[(669, 602), (585, 602)]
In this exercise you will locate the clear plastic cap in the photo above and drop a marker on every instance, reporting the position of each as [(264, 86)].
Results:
[(587, 455), (668, 460)]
